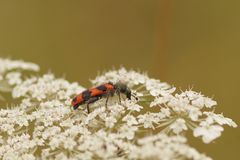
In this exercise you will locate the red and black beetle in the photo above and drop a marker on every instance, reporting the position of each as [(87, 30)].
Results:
[(105, 90)]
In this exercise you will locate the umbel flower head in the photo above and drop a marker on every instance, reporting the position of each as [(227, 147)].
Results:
[(153, 126)]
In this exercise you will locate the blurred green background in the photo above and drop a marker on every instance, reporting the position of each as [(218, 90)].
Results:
[(186, 43)]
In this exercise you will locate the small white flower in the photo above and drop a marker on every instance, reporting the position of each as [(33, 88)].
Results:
[(132, 106), (220, 119), (26, 102), (166, 112), (152, 84), (149, 119), (199, 102), (178, 104), (128, 131), (116, 109), (209, 102), (62, 95), (69, 143), (110, 121), (178, 126), (14, 78), (54, 142), (160, 100), (94, 114), (208, 132), (131, 120), (194, 113)]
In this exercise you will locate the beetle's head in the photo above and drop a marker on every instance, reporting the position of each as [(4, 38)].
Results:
[(123, 88), (77, 101)]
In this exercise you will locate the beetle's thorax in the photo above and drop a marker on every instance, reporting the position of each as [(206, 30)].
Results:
[(122, 88)]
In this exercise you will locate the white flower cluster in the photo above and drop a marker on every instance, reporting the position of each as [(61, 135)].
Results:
[(192, 110), (14, 66), (11, 73), (151, 126)]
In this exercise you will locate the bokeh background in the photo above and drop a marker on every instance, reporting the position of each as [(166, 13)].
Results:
[(185, 43)]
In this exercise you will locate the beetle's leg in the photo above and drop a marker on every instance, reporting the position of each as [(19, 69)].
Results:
[(91, 100), (108, 94), (119, 96), (88, 109)]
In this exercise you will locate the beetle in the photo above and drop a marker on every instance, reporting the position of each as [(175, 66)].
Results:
[(105, 90)]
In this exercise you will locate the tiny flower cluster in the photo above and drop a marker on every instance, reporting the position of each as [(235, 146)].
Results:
[(14, 66), (11, 73), (44, 125), (192, 110)]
